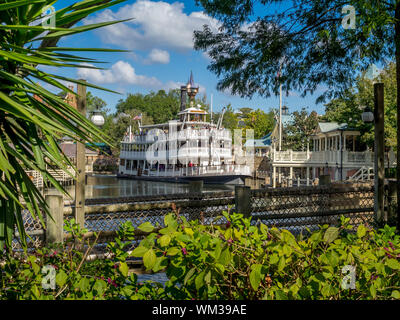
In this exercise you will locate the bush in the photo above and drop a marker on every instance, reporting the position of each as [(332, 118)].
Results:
[(242, 261), (233, 260)]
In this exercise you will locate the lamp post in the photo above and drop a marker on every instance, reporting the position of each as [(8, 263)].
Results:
[(379, 152), (98, 119)]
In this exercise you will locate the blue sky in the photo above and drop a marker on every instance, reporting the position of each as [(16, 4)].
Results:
[(162, 56)]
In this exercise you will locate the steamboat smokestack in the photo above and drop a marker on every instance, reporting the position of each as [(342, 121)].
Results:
[(183, 97)]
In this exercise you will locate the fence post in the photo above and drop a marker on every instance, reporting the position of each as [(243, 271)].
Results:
[(196, 186), (324, 179), (243, 200), (80, 164), (379, 165), (392, 200), (55, 223)]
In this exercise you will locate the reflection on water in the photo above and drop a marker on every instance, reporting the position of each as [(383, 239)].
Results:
[(103, 186)]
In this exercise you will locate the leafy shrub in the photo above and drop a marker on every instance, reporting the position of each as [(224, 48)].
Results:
[(242, 261), (234, 260), (25, 276)]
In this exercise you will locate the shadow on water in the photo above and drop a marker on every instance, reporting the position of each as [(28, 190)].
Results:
[(109, 186)]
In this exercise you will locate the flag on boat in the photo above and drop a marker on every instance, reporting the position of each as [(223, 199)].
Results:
[(139, 117)]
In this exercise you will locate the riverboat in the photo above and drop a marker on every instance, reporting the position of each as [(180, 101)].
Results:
[(189, 148)]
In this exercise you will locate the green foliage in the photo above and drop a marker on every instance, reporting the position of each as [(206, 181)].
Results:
[(32, 117), (304, 40), (24, 277), (262, 123), (233, 260), (159, 106), (299, 130), (116, 126), (242, 261), (349, 107), (94, 103)]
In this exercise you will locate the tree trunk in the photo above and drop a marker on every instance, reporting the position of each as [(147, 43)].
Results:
[(397, 44)]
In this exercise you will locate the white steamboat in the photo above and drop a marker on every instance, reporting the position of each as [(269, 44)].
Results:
[(190, 148)]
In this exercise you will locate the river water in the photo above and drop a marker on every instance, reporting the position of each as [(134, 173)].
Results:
[(109, 186)]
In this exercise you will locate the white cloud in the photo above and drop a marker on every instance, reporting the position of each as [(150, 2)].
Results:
[(154, 25), (157, 56), (121, 72)]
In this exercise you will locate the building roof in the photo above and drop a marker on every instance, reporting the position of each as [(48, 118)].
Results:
[(259, 143), (326, 127), (193, 110)]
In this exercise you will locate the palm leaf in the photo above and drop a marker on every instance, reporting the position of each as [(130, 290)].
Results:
[(31, 117)]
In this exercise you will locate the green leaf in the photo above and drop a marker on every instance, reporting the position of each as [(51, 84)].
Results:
[(282, 263), (331, 234), (161, 263), (100, 286), (146, 227), (199, 281), (189, 274), (393, 264), (124, 269), (225, 257), (139, 251), (173, 251), (361, 231), (255, 276), (395, 294), (61, 278), (84, 284), (164, 240), (372, 290), (149, 259), (274, 258), (280, 295), (217, 251)]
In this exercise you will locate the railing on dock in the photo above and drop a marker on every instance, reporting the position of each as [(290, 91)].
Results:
[(292, 208)]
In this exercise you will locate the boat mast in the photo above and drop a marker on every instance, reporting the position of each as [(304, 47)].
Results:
[(211, 109), (280, 112)]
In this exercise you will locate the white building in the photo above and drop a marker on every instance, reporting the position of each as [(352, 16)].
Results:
[(334, 152)]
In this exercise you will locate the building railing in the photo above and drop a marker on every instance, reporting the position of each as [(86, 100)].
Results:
[(186, 134), (183, 152), (218, 170), (332, 157)]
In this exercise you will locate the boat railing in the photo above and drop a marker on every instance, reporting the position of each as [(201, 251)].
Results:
[(192, 171)]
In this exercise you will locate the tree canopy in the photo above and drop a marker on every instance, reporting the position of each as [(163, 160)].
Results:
[(160, 106), (349, 107), (305, 42), (297, 132)]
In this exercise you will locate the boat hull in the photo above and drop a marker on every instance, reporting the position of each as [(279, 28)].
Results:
[(221, 179)]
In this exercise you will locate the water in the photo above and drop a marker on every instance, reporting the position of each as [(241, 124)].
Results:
[(109, 186)]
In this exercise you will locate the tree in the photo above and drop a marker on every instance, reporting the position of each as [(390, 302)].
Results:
[(230, 119), (299, 130), (33, 118), (116, 126), (262, 123), (346, 109), (160, 106), (308, 43), (94, 103)]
